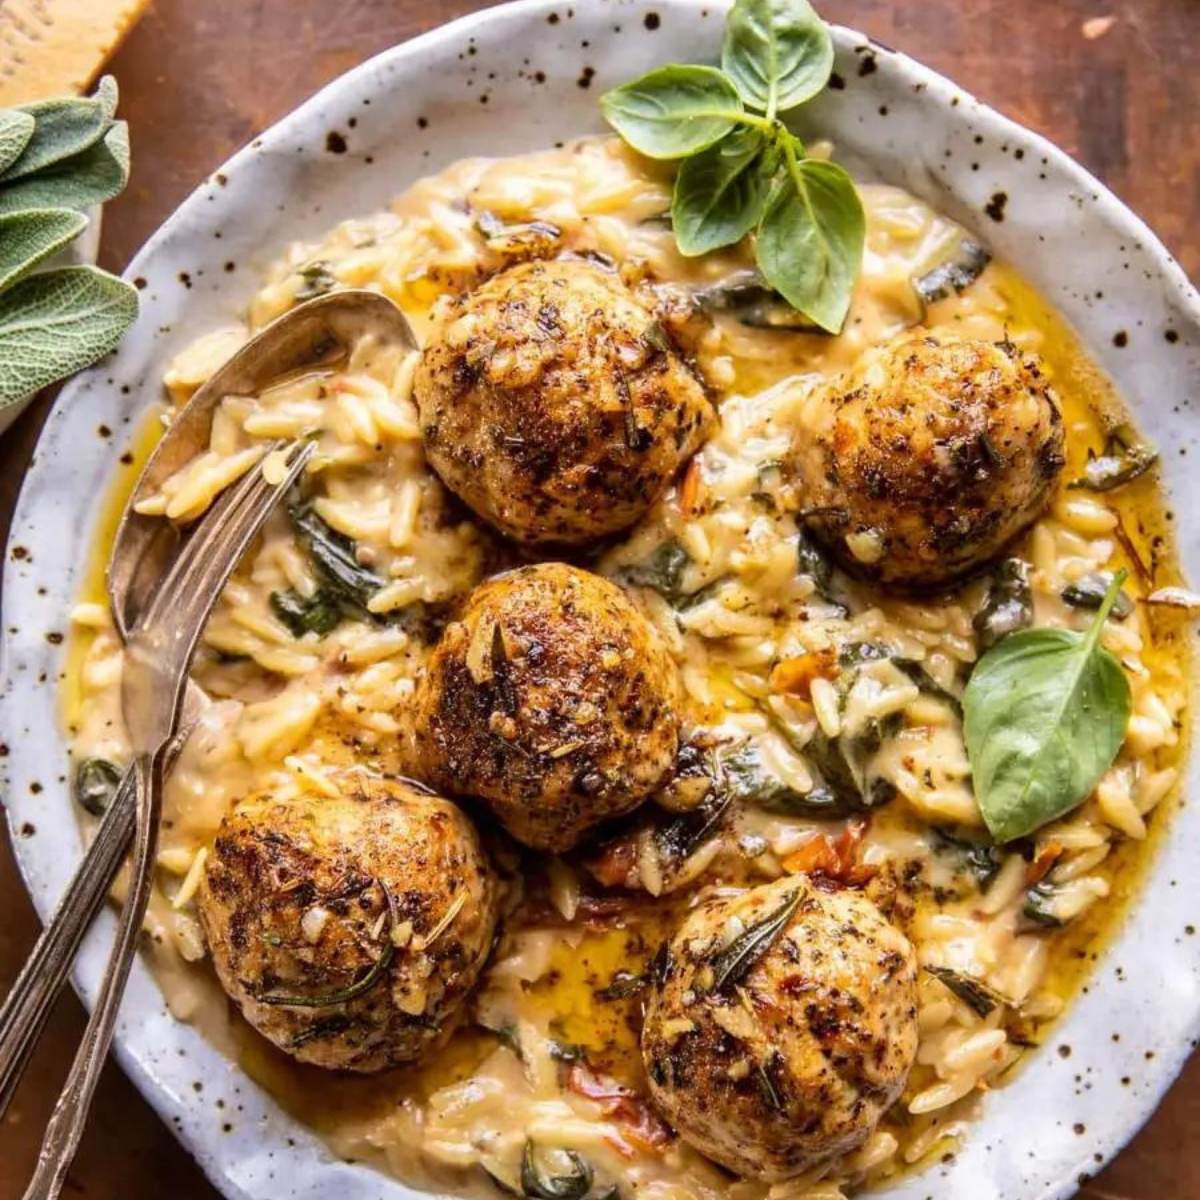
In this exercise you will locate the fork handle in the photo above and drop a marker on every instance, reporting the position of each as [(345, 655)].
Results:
[(65, 1128), (31, 998)]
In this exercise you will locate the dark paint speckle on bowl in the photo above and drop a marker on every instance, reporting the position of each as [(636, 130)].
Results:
[(996, 205), (1120, 339), (335, 142), (652, 21)]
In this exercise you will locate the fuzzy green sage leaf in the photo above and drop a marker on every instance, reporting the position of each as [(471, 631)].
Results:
[(64, 127), (1044, 715), (91, 177), (777, 52), (28, 238), (811, 238), (58, 322), (16, 128), (673, 111), (719, 193)]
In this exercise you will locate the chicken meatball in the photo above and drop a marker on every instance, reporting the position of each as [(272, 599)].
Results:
[(782, 1026), (554, 404), (932, 454), (552, 699), (349, 930)]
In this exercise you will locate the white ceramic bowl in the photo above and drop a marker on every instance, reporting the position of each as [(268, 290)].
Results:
[(1084, 1094)]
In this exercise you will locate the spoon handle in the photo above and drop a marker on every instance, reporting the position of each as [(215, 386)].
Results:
[(33, 995)]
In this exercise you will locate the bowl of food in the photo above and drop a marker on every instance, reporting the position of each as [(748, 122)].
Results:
[(710, 719)]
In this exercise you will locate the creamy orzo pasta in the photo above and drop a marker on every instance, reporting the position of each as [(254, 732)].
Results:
[(301, 700)]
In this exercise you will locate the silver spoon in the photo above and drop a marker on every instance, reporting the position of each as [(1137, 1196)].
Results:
[(319, 330)]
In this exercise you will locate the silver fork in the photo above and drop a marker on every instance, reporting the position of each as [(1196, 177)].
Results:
[(158, 655)]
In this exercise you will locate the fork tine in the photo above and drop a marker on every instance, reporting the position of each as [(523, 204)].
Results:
[(187, 597), (218, 531), (206, 528)]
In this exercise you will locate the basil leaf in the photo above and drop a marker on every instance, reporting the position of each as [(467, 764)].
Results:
[(777, 52), (27, 238), (673, 111), (63, 127), (811, 237), (58, 322), (1045, 713), (16, 128), (95, 175), (719, 193)]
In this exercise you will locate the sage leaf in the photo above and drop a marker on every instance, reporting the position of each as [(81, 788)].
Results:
[(568, 1176), (719, 193), (58, 322), (777, 52), (27, 238), (971, 990), (1124, 460), (318, 613), (96, 783), (673, 111), (732, 964), (810, 239), (1045, 713), (63, 127), (95, 175), (16, 128), (106, 95), (1009, 603), (335, 556)]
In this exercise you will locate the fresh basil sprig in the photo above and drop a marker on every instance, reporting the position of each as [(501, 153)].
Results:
[(741, 168), (1044, 715), (58, 158)]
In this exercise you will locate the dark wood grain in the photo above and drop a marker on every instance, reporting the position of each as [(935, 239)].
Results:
[(200, 77)]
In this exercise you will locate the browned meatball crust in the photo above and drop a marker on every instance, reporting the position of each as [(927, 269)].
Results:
[(553, 403), (552, 699), (372, 912), (928, 457), (773, 1068)]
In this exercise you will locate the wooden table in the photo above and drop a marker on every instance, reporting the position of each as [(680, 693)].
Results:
[(201, 77)]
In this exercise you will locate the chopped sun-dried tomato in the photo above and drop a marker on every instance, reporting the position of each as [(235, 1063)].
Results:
[(834, 859), (637, 1119), (615, 864), (1048, 854)]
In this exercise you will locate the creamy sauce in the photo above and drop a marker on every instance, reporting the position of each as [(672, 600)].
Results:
[(286, 709)]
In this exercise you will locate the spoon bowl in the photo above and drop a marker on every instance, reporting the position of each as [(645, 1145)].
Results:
[(319, 330)]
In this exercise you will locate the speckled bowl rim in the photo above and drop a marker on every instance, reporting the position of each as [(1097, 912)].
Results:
[(269, 1155)]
